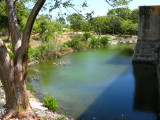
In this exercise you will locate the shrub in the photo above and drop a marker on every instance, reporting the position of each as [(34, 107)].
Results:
[(48, 36), (86, 36), (94, 43), (75, 44), (50, 103), (41, 49), (103, 41), (63, 46)]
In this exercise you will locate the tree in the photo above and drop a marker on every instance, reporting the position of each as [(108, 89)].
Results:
[(75, 21), (115, 23), (134, 15), (43, 23), (128, 27), (14, 73), (100, 24), (61, 20), (121, 12), (115, 3), (86, 26), (22, 13)]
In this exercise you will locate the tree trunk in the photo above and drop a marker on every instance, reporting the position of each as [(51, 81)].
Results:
[(17, 102), (9, 35), (14, 73)]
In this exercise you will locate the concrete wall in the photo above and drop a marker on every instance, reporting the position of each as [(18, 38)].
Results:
[(148, 43)]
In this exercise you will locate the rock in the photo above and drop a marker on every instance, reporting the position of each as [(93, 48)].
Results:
[(37, 106), (114, 40)]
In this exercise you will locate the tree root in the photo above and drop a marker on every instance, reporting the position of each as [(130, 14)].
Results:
[(27, 115)]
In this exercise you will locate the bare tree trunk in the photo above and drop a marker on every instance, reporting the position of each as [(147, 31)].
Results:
[(14, 73)]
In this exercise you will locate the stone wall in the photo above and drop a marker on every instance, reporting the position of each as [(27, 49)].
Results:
[(148, 43)]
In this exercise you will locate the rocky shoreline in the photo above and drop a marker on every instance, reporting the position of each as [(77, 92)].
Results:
[(37, 106), (116, 39)]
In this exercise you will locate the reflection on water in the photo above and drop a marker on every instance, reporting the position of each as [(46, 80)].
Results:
[(146, 88), (100, 84)]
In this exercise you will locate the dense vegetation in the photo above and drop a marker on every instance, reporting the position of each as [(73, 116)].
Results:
[(117, 21), (45, 29)]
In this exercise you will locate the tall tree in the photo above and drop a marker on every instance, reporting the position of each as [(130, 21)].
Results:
[(100, 24), (14, 72), (121, 12), (76, 21), (134, 15)]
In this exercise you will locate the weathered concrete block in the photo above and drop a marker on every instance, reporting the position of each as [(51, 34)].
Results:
[(148, 43)]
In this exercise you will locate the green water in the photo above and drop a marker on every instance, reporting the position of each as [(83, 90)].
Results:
[(96, 84)]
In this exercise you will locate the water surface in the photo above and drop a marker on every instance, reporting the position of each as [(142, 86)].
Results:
[(100, 84)]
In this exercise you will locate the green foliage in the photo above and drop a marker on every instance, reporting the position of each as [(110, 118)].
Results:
[(77, 37), (100, 24), (75, 44), (51, 103), (134, 15), (112, 22), (41, 24), (121, 12), (94, 43), (3, 16), (85, 41), (47, 36), (63, 46), (82, 37), (44, 24), (103, 41), (10, 51), (86, 26), (22, 13), (61, 20), (75, 21), (116, 3), (31, 52), (86, 36), (41, 51), (44, 48), (128, 27), (115, 24)]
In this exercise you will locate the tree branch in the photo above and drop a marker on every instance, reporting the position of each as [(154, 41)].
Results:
[(29, 25), (27, 33), (109, 3)]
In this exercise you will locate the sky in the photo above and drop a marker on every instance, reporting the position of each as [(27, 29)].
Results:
[(100, 7)]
